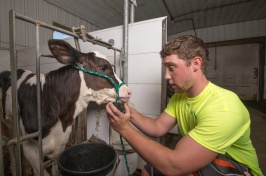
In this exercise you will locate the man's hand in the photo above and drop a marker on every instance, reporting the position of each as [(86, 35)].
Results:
[(118, 120)]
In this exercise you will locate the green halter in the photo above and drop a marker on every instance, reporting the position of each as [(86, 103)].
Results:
[(117, 86)]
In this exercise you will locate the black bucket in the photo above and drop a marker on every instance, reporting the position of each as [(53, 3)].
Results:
[(93, 159)]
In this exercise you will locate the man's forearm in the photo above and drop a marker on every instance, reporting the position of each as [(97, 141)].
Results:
[(145, 124)]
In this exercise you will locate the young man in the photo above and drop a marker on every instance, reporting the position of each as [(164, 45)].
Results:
[(212, 120)]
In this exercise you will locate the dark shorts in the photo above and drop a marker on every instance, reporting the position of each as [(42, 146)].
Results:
[(213, 169)]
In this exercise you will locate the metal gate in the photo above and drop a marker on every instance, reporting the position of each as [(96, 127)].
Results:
[(77, 33)]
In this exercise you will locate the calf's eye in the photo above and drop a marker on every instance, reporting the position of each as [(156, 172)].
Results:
[(103, 68)]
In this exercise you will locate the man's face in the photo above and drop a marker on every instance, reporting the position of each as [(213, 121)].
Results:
[(178, 74)]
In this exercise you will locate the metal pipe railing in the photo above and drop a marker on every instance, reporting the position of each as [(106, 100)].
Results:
[(38, 87), (125, 37), (77, 120), (13, 65), (1, 152), (45, 25)]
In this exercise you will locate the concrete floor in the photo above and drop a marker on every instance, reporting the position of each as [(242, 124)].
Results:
[(258, 135)]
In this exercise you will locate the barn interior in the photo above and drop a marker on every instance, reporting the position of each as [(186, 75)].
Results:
[(131, 33)]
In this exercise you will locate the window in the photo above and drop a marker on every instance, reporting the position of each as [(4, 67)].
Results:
[(59, 35)]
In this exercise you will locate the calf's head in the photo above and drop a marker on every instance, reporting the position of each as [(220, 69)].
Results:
[(100, 89)]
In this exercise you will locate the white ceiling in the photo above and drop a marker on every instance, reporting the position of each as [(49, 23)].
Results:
[(182, 15)]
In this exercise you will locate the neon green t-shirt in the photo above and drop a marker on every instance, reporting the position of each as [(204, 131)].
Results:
[(218, 120)]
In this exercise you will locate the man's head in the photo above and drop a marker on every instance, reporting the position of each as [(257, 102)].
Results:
[(187, 48)]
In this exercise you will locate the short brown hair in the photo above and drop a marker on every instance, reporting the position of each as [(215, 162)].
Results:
[(187, 47)]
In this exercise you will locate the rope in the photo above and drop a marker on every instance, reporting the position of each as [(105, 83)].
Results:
[(124, 151), (117, 104)]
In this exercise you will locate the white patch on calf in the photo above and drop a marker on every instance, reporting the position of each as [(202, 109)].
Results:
[(84, 96), (87, 94), (124, 91), (98, 54), (105, 96), (53, 145), (33, 80)]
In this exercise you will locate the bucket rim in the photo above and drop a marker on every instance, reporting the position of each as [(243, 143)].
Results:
[(88, 172)]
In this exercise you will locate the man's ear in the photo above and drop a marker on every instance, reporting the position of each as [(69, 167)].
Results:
[(196, 63)]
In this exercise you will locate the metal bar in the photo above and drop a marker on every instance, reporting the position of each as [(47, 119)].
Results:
[(45, 25), (1, 153), (115, 61), (46, 55), (110, 128), (125, 38), (77, 120), (38, 87), (121, 60), (13, 65), (132, 13), (21, 139), (164, 82)]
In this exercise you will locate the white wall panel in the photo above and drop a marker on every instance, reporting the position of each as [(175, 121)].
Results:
[(146, 98), (141, 40), (143, 68)]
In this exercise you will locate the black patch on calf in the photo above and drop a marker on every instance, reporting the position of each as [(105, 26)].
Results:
[(103, 67), (58, 96), (61, 89)]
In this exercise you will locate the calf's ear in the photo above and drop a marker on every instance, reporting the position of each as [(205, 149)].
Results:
[(64, 52)]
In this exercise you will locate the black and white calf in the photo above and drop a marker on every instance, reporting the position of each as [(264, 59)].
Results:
[(65, 92)]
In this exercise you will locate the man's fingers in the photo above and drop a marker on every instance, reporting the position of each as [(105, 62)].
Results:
[(113, 112), (127, 109), (114, 109), (108, 110)]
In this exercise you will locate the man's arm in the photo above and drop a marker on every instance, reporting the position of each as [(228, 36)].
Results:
[(152, 127), (187, 157)]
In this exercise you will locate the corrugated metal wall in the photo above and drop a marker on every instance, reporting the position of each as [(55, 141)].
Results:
[(46, 12), (243, 30), (38, 10)]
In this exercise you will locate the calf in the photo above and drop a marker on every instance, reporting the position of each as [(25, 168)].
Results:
[(65, 92)]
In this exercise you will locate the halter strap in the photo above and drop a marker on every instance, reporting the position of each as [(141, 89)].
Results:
[(116, 86)]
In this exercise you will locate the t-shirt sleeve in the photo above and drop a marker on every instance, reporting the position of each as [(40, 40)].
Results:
[(171, 106)]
